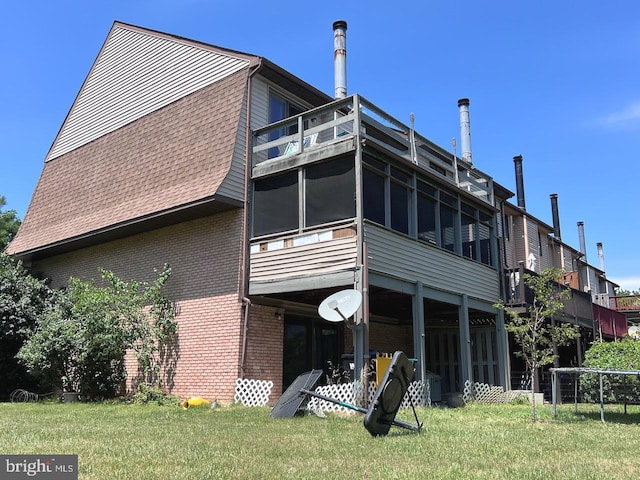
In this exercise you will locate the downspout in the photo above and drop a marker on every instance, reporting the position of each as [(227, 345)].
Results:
[(246, 303), (365, 322), (243, 290)]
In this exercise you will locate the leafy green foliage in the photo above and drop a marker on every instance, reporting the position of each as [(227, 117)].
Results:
[(537, 332), (23, 302), (9, 224), (151, 394), (23, 299), (81, 343), (621, 292), (622, 355), (147, 317)]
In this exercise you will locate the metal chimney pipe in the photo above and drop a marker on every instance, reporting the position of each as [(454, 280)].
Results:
[(465, 129), (517, 160), (555, 215), (340, 58), (583, 243), (600, 255)]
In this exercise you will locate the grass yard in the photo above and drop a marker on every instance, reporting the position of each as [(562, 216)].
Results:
[(121, 441)]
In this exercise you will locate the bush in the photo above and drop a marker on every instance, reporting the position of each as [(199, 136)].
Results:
[(23, 301), (622, 355), (80, 343), (151, 394)]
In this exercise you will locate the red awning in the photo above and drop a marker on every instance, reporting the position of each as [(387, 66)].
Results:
[(611, 324)]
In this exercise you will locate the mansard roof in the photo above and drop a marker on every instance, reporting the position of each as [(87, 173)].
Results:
[(152, 130)]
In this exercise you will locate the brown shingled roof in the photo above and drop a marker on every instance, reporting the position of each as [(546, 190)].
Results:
[(171, 157)]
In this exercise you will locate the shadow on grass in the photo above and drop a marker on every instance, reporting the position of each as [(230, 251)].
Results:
[(610, 417), (612, 414)]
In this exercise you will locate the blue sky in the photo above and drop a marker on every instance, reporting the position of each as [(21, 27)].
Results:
[(555, 81)]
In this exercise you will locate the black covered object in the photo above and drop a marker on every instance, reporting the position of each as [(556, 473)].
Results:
[(293, 398), (387, 399)]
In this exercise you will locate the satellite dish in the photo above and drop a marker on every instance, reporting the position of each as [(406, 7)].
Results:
[(341, 305), (633, 331)]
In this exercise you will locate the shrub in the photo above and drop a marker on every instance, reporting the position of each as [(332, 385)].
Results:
[(622, 355), (81, 342), (152, 394)]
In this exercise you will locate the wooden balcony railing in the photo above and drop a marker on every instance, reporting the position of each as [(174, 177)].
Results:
[(625, 303), (356, 118)]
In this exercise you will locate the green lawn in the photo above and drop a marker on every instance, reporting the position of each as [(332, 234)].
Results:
[(121, 441)]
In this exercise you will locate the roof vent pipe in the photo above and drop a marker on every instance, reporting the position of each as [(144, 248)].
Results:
[(600, 255), (517, 160), (465, 129), (555, 215), (583, 243), (340, 58)]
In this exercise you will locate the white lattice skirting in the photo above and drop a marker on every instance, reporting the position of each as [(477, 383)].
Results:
[(488, 394), (252, 393), (418, 393)]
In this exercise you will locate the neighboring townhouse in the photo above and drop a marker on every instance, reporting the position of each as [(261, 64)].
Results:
[(530, 246), (266, 195)]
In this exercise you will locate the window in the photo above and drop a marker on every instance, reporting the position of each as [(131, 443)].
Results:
[(279, 109), (373, 193), (448, 222), (329, 196), (330, 191), (427, 213), (400, 194), (275, 204), (469, 231), (485, 233), (438, 217)]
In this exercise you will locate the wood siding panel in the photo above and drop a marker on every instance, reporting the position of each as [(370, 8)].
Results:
[(518, 251), (312, 259), (135, 74), (568, 261), (402, 257), (534, 244), (259, 103)]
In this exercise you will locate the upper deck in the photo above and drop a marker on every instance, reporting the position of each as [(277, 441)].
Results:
[(340, 126)]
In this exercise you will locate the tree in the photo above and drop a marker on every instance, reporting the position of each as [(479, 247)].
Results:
[(536, 331), (621, 292), (23, 302), (9, 223)]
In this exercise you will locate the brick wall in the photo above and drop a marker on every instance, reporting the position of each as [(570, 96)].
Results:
[(389, 338), (204, 255), (384, 338), (264, 347)]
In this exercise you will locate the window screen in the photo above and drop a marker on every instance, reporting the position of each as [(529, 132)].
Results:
[(426, 218), (275, 204), (330, 192), (399, 208), (373, 192), (447, 228)]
